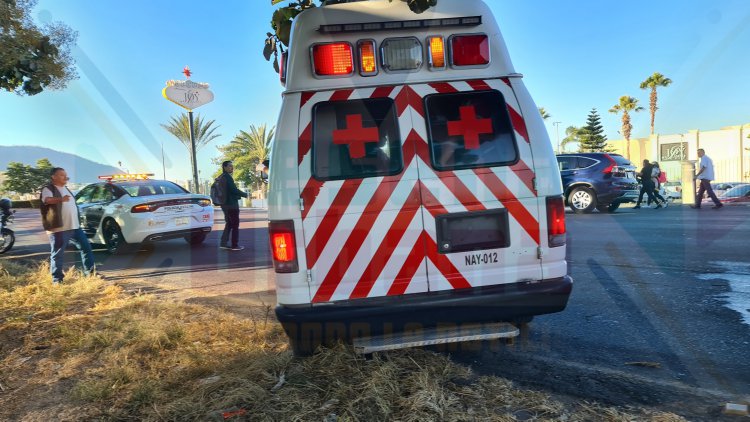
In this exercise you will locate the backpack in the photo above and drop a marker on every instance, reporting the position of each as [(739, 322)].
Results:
[(219, 191), (662, 177)]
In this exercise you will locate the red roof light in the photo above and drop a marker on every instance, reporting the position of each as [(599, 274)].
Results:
[(470, 50), (334, 59)]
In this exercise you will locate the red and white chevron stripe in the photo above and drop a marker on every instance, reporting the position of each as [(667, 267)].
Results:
[(376, 236)]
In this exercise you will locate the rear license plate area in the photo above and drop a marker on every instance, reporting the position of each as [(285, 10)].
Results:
[(181, 221), (472, 231)]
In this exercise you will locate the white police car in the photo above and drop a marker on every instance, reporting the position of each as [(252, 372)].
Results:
[(131, 208)]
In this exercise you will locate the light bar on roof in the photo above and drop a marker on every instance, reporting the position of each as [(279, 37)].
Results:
[(409, 24), (127, 176)]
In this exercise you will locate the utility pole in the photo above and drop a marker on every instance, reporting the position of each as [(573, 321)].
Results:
[(557, 129)]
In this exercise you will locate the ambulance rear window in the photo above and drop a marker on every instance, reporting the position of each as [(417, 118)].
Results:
[(355, 139), (469, 130)]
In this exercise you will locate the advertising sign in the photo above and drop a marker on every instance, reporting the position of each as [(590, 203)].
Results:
[(188, 94), (673, 152)]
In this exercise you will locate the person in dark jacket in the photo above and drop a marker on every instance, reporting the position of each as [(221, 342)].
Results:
[(61, 220), (231, 209), (647, 185)]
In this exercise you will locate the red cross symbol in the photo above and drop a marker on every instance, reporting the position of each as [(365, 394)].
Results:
[(470, 127), (355, 135)]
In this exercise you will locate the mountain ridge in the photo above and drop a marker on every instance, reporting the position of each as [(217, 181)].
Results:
[(79, 169)]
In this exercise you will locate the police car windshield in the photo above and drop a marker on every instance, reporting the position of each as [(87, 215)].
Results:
[(151, 187)]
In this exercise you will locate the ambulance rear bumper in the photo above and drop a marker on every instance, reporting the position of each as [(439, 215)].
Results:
[(375, 316)]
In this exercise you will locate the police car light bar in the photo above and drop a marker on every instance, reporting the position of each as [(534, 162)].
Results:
[(127, 176), (391, 25)]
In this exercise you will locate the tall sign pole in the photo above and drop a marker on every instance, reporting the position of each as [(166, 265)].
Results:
[(189, 95)]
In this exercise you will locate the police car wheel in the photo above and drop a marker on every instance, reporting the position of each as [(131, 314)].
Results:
[(195, 239), (582, 200), (113, 239)]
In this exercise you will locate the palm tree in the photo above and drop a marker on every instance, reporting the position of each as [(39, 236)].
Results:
[(544, 113), (203, 131), (654, 81), (572, 135), (247, 150), (626, 105)]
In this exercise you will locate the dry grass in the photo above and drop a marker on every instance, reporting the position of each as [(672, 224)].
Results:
[(89, 351)]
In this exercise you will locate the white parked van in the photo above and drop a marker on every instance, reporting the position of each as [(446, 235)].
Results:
[(412, 183)]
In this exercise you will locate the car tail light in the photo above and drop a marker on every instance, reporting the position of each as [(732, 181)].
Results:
[(401, 54), (334, 59), (436, 47), (556, 221), (470, 50), (144, 208), (611, 165), (282, 67), (367, 62), (204, 202), (283, 246)]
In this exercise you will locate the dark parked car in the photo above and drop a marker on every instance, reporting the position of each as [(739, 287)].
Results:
[(597, 180)]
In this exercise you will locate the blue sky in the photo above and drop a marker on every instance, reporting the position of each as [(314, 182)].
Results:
[(574, 56)]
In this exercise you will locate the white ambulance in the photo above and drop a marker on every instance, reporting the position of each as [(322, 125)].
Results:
[(412, 186)]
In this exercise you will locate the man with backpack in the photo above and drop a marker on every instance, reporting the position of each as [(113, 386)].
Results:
[(224, 192)]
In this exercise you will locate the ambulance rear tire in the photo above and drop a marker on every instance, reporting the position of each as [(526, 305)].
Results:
[(582, 200)]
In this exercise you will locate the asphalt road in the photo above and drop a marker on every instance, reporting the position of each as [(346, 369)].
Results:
[(172, 266), (659, 315)]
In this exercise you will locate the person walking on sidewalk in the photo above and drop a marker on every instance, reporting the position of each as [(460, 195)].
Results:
[(231, 209), (705, 175), (61, 220), (655, 179), (647, 185)]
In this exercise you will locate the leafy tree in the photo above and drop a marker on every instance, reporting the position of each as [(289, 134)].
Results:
[(179, 127), (626, 105), (33, 58), (544, 113), (281, 23), (246, 151), (654, 81), (22, 178), (592, 137)]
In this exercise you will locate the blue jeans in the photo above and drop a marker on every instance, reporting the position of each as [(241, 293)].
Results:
[(58, 241)]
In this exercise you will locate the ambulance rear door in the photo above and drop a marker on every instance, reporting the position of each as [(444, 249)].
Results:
[(480, 206), (359, 196)]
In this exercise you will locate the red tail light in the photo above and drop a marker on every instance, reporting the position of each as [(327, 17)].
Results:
[(470, 50), (334, 59), (556, 221), (282, 67), (144, 208), (611, 165), (283, 246)]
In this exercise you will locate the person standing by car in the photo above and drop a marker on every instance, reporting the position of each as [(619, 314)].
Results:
[(231, 209), (61, 220), (647, 185), (705, 175)]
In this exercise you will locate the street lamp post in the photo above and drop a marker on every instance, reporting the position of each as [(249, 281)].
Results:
[(557, 129), (163, 167)]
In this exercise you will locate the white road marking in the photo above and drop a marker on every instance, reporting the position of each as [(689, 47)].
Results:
[(738, 276)]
